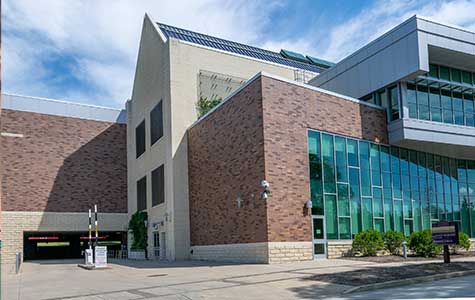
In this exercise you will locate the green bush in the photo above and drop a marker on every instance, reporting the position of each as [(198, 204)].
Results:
[(204, 105), (139, 231), (393, 241), (464, 243), (368, 242), (421, 243)]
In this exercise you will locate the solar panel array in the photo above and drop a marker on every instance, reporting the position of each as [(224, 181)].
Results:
[(233, 47)]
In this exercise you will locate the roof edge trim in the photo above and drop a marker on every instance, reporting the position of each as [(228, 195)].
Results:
[(149, 17)]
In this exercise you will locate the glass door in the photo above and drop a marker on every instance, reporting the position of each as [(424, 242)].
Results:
[(319, 237)]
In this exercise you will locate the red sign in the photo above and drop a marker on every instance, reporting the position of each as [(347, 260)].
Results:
[(43, 238)]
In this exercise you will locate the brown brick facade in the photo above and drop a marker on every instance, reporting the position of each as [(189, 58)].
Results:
[(62, 164), (289, 110), (226, 162), (261, 133)]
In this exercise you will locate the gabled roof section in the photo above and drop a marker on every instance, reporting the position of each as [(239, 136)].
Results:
[(236, 48)]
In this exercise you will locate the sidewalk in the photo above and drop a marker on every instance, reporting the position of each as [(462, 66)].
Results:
[(190, 279)]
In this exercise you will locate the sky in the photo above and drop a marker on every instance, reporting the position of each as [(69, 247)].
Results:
[(86, 51)]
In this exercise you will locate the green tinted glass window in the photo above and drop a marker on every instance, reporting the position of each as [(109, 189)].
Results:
[(367, 213), (455, 75), (331, 217), (444, 73), (378, 207), (341, 166), (433, 71), (345, 232), (466, 77), (352, 146), (343, 200), (328, 164), (388, 187)]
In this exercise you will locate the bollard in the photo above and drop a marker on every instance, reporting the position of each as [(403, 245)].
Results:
[(404, 249), (17, 262)]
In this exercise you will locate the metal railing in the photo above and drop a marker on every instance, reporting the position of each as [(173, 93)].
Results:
[(117, 254)]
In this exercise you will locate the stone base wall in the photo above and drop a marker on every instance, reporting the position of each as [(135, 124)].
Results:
[(472, 245), (284, 252), (14, 223), (242, 253), (339, 248), (273, 252)]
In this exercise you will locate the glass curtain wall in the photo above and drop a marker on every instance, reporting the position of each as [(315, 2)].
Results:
[(441, 104), (445, 95), (357, 185)]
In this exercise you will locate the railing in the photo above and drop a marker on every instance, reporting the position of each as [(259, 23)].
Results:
[(117, 254)]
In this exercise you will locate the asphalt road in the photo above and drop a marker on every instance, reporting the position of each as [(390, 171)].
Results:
[(454, 288)]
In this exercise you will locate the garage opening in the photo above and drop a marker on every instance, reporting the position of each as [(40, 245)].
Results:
[(65, 245)]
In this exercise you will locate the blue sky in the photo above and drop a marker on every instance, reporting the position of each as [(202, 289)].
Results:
[(86, 51)]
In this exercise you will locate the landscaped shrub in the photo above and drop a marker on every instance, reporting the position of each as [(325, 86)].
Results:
[(464, 243), (368, 242), (393, 241), (139, 230), (421, 243)]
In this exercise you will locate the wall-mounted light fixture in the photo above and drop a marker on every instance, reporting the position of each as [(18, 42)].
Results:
[(308, 204)]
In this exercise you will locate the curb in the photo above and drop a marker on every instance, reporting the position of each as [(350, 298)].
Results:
[(407, 281)]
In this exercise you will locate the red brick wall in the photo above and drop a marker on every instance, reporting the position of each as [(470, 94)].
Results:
[(261, 133), (226, 159), (289, 110), (62, 164)]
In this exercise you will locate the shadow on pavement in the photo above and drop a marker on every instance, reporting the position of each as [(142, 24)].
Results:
[(157, 264)]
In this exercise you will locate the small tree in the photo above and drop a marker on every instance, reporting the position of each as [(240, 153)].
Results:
[(422, 244), (393, 241), (139, 231), (368, 242), (204, 105)]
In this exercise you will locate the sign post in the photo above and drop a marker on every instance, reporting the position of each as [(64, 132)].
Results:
[(445, 233), (101, 257)]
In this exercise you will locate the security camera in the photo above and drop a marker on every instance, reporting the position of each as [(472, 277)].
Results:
[(264, 195), (264, 184)]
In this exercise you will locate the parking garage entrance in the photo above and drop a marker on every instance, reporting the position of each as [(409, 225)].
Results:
[(64, 245)]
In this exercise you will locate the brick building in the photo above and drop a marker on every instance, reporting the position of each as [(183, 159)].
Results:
[(58, 160), (384, 139)]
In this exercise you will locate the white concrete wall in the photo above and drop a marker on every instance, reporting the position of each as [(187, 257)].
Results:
[(151, 85), (14, 223)]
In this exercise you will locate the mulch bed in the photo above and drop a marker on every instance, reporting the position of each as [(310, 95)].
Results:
[(393, 259), (382, 274)]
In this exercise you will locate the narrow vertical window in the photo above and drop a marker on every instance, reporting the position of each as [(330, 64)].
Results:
[(394, 100), (142, 194), (158, 186), (140, 139), (156, 123)]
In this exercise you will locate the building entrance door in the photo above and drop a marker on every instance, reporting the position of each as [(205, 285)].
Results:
[(319, 237)]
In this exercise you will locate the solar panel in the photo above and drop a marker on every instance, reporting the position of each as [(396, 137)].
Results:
[(238, 48)]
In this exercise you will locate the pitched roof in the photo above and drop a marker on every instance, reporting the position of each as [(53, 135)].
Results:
[(237, 48)]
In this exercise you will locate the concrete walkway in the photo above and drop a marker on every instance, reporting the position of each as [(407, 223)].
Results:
[(179, 280)]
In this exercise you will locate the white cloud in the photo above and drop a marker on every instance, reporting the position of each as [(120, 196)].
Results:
[(102, 39), (379, 18)]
